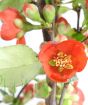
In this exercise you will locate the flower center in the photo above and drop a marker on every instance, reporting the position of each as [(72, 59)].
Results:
[(63, 61)]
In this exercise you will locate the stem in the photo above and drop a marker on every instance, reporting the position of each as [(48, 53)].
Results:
[(48, 35), (63, 93), (17, 98), (78, 18), (53, 95), (28, 27), (1, 101), (21, 91), (51, 100)]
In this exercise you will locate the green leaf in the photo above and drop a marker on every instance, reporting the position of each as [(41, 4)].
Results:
[(82, 3), (47, 1), (12, 90), (42, 89), (14, 4), (77, 3), (78, 36), (70, 32), (85, 22), (18, 65), (62, 9), (8, 99), (52, 63)]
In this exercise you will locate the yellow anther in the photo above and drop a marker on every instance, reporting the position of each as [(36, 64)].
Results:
[(63, 61)]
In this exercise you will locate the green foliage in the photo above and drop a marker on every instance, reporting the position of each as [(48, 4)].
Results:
[(18, 65), (78, 2), (33, 14), (13, 3), (47, 1), (8, 99), (78, 36), (49, 13), (70, 32), (42, 89), (85, 23), (67, 29), (67, 102), (85, 10), (62, 9)]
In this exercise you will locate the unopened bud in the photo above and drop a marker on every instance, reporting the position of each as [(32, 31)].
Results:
[(31, 11), (49, 13), (20, 34), (75, 97), (19, 23)]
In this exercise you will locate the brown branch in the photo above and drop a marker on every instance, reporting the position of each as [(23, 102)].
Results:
[(18, 96), (78, 18), (48, 35), (51, 100), (63, 93)]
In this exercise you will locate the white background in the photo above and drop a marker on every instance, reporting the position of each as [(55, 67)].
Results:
[(34, 38)]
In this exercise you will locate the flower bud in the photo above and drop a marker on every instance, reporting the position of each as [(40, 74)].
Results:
[(20, 34), (29, 88), (61, 20), (19, 23), (70, 88), (49, 13), (75, 97), (62, 24), (31, 11)]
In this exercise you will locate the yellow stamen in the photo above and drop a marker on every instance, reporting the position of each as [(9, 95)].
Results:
[(63, 61)]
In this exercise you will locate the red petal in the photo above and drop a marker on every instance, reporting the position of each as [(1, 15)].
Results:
[(62, 19), (10, 14), (28, 88), (21, 41), (70, 47), (80, 94), (8, 29)]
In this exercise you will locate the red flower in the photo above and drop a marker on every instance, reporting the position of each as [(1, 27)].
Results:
[(62, 60), (9, 29)]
